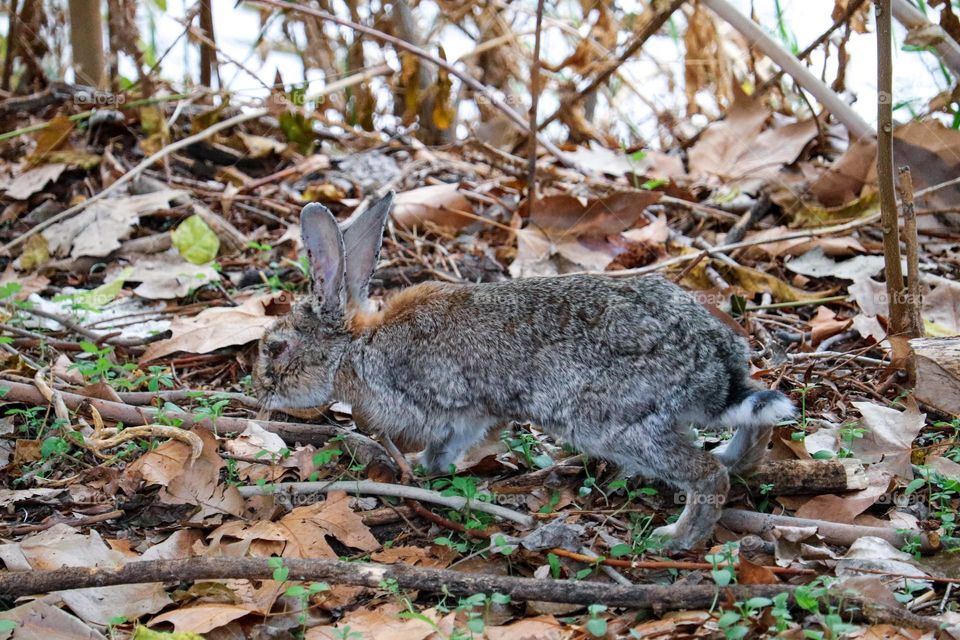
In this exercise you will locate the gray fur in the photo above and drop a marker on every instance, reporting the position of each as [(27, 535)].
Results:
[(618, 367)]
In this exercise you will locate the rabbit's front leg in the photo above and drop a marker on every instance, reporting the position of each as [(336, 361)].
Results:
[(448, 444)]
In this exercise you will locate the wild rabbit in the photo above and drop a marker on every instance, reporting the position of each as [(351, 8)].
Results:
[(619, 367)]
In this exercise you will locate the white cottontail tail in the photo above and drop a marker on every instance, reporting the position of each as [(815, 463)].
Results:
[(619, 367)]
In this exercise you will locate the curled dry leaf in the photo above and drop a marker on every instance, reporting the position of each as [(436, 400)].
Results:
[(440, 204), (564, 234), (218, 327)]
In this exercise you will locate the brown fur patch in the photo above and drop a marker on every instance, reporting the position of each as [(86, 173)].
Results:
[(400, 304)]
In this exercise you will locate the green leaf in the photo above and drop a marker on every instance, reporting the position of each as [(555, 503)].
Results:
[(99, 297), (7, 625), (729, 618), (597, 627), (280, 574), (195, 240), (914, 485), (296, 591), (824, 454), (619, 550), (721, 577), (758, 603)]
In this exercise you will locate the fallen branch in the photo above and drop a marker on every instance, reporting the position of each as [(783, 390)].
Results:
[(368, 574), (367, 487), (921, 31), (776, 478), (800, 477), (659, 598), (832, 532)]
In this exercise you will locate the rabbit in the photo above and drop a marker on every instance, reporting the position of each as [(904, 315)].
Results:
[(618, 367)]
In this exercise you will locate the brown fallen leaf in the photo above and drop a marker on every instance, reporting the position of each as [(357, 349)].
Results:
[(888, 440), (24, 185), (826, 324), (938, 372), (438, 204), (844, 508), (200, 618), (166, 276), (198, 483), (217, 327), (385, 622), (545, 626), (62, 546), (40, 620), (564, 234), (737, 148), (306, 527)]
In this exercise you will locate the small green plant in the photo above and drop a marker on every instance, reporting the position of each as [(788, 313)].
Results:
[(723, 572), (849, 432), (99, 366), (596, 625), (525, 445)]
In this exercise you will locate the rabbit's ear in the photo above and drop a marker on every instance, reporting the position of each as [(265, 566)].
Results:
[(324, 245), (362, 239)]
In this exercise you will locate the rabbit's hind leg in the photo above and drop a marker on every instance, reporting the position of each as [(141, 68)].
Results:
[(703, 483), (700, 477)]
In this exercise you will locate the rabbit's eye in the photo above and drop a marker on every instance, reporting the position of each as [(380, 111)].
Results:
[(274, 349)]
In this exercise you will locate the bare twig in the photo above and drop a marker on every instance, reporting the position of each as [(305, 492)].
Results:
[(534, 104), (367, 487), (466, 78), (652, 26), (832, 532), (888, 197), (905, 184), (856, 125)]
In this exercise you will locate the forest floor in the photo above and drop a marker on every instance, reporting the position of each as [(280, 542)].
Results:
[(134, 293)]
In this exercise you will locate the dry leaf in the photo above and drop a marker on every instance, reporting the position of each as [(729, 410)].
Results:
[(201, 618), (39, 620), (97, 230), (438, 204), (29, 182), (218, 327), (62, 546), (199, 483), (166, 276), (383, 622), (938, 372), (889, 436)]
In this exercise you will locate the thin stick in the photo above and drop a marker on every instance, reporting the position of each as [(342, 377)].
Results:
[(534, 104), (914, 297), (888, 197), (851, 9), (856, 125), (466, 78), (368, 487), (651, 27), (133, 173)]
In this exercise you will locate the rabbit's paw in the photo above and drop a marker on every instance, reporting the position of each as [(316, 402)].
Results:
[(677, 537)]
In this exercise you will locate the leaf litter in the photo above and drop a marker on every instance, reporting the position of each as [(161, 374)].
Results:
[(160, 308)]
